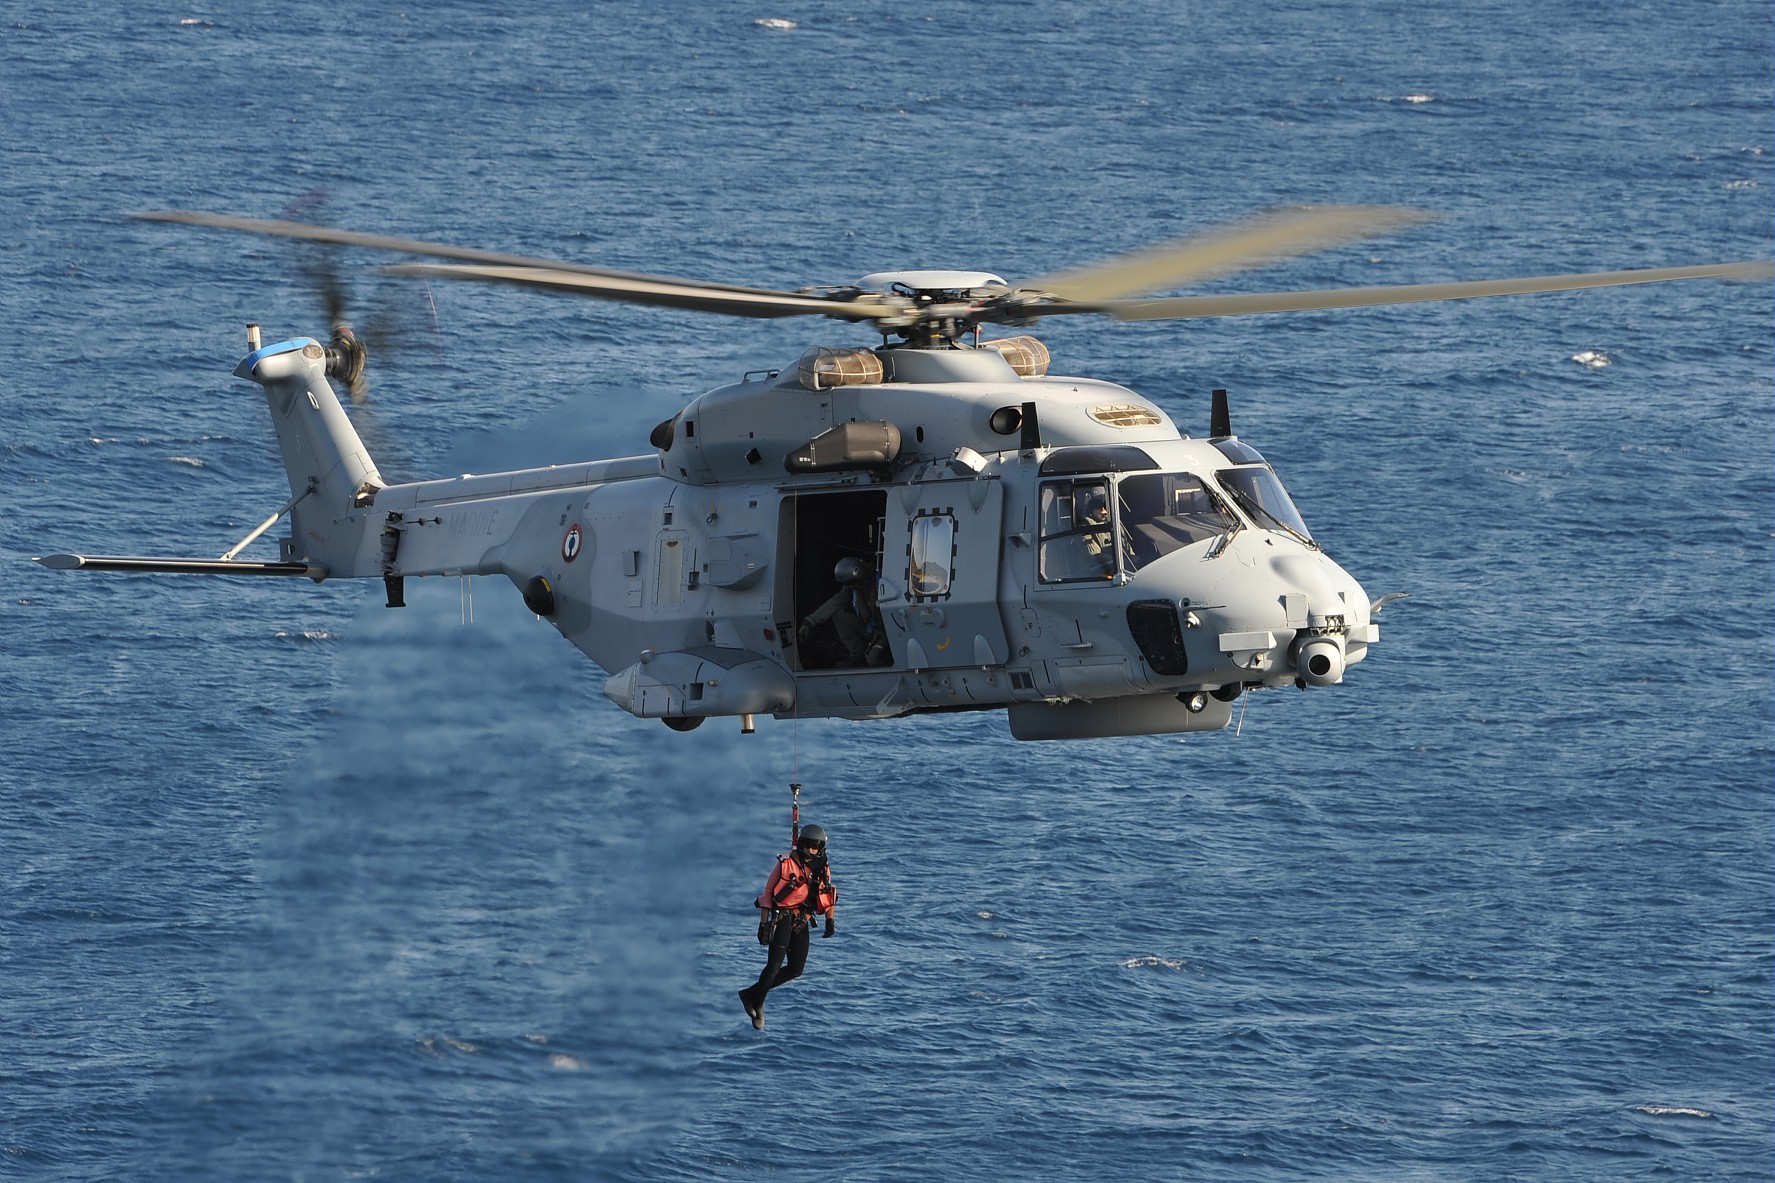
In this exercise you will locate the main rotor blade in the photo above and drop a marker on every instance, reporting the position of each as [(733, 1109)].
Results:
[(1237, 247), (411, 246), (663, 293), (1187, 307)]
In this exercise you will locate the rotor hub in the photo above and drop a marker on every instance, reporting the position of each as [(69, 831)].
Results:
[(938, 307)]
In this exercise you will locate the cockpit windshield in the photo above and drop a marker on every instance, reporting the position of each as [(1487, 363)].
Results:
[(1257, 491), (1164, 512), (1155, 514)]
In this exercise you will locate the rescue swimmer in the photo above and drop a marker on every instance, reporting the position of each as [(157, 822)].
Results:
[(799, 888)]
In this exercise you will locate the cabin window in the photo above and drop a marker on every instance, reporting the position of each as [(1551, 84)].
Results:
[(931, 556), (1078, 542), (1165, 512)]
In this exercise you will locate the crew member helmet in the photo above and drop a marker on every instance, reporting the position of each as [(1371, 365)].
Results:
[(812, 839), (851, 571)]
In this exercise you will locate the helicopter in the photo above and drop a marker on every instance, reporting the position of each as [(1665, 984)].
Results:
[(933, 523)]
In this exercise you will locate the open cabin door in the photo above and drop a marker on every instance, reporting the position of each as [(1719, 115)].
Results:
[(939, 585), (819, 531)]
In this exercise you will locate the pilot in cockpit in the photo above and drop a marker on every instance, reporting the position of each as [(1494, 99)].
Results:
[(1099, 538)]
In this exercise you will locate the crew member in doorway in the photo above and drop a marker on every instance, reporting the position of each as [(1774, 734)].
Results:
[(854, 615), (800, 888)]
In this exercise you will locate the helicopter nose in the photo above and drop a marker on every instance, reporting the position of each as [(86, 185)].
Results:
[(1306, 575), (1319, 653)]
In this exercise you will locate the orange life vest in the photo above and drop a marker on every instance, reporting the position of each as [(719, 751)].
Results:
[(789, 888)]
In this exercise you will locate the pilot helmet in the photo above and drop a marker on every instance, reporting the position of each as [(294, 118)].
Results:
[(1096, 508), (850, 571)]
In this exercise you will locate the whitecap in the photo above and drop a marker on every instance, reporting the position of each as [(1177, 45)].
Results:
[(1420, 98), (193, 461), (307, 634), (1151, 962), (1595, 359), (565, 1063), (775, 22), (1673, 1111)]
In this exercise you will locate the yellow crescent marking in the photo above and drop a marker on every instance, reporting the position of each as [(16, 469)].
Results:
[(944, 645)]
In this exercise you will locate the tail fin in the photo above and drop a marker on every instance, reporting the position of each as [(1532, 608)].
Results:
[(330, 472)]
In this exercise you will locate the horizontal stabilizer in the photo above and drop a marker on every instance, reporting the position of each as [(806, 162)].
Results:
[(314, 571)]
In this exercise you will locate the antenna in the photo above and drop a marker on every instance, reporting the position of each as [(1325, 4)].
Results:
[(1032, 429)]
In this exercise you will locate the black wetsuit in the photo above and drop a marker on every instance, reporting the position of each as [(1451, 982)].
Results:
[(788, 955)]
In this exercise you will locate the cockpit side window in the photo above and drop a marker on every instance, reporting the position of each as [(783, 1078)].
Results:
[(1257, 491), (1165, 512), (1078, 540)]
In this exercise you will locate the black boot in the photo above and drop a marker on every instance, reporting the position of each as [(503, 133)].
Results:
[(754, 1004)]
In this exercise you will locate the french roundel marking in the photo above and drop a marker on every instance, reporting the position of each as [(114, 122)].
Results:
[(570, 545)]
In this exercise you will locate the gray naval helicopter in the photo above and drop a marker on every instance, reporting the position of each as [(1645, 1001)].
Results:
[(934, 524)]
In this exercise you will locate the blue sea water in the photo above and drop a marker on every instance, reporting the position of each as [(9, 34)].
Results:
[(294, 886)]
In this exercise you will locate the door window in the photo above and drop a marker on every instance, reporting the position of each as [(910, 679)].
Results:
[(932, 556)]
